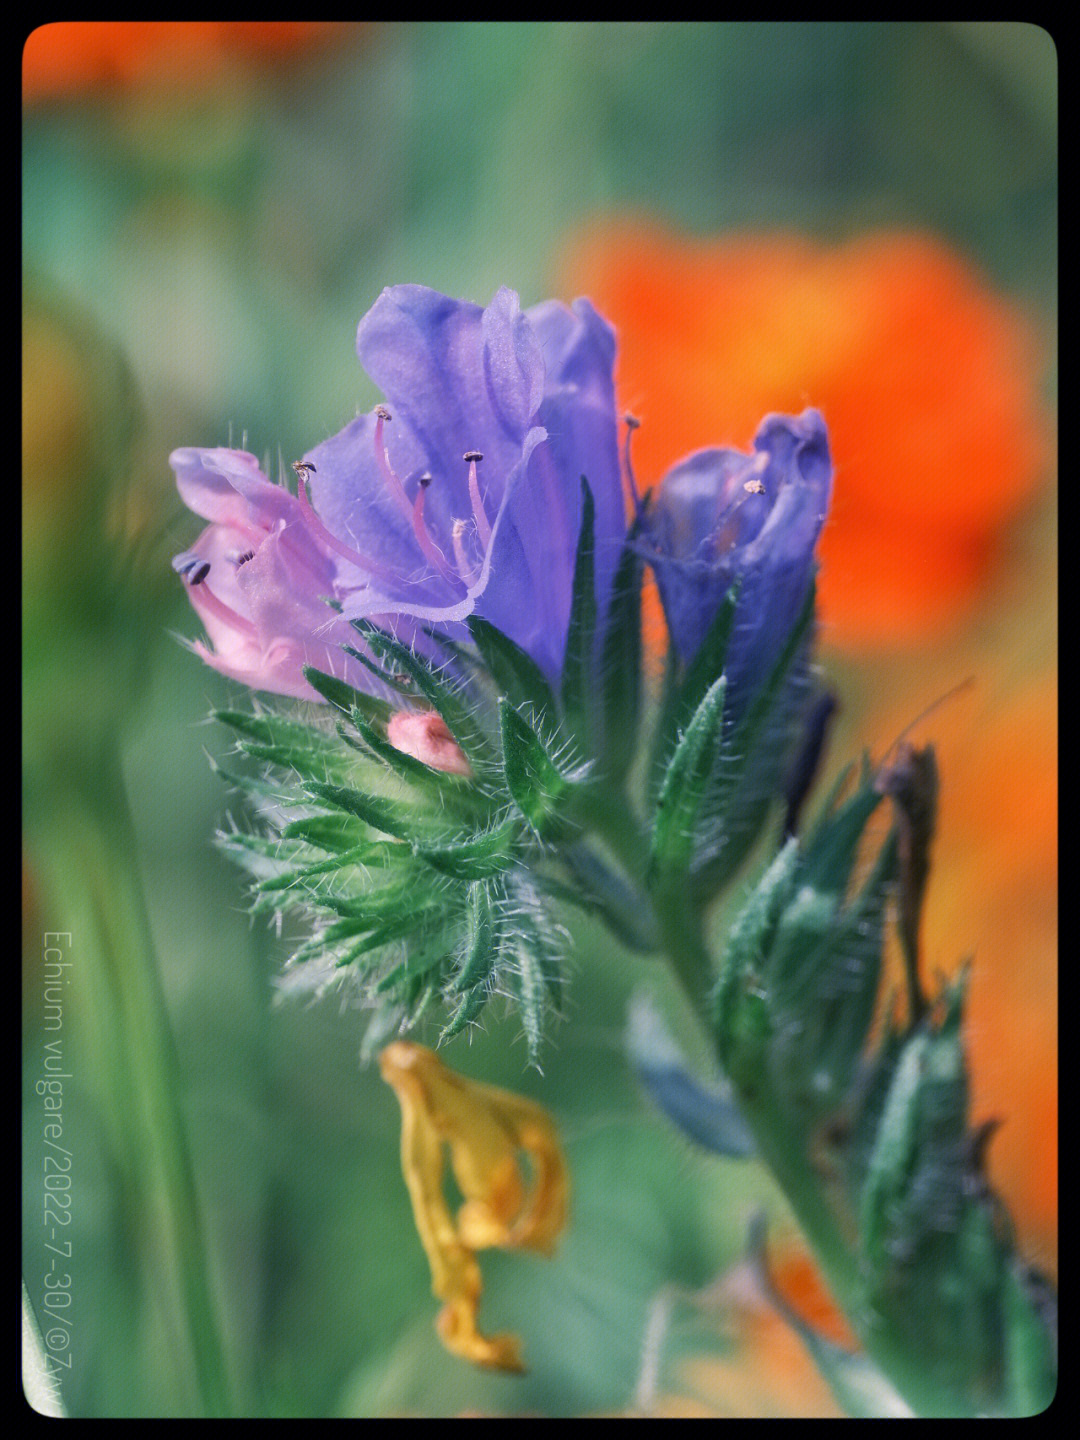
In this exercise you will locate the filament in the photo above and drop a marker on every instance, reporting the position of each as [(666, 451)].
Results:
[(354, 557), (483, 529)]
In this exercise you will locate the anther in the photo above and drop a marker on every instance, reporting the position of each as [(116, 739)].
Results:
[(754, 487), (193, 568), (383, 413), (472, 458)]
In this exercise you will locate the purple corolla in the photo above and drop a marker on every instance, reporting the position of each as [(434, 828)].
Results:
[(460, 495), (720, 516)]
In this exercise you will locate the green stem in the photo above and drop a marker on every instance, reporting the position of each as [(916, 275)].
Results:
[(680, 918), (88, 854), (682, 925)]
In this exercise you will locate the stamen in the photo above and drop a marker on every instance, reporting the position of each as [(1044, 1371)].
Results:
[(753, 486), (382, 457), (632, 424), (354, 557), (232, 618), (193, 568), (483, 529), (464, 565), (424, 540)]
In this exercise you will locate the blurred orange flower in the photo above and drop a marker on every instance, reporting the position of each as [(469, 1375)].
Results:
[(927, 378), (74, 55), (764, 1368)]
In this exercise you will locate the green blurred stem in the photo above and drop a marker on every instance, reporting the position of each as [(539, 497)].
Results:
[(680, 919), (87, 850), (683, 930)]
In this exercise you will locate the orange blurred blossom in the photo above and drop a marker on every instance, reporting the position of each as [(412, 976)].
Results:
[(68, 56), (927, 378)]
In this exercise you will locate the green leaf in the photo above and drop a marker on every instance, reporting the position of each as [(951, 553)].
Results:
[(685, 784), (470, 1007), (478, 960), (536, 784), (832, 845), (1030, 1346), (516, 674), (526, 983), (682, 697), (416, 964), (578, 662), (375, 904), (746, 951), (621, 664), (326, 832), (276, 730), (266, 857), (893, 1159), (344, 698), (476, 857), (373, 852), (481, 941), (748, 771), (388, 816)]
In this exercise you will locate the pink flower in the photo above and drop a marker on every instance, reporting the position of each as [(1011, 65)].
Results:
[(265, 611)]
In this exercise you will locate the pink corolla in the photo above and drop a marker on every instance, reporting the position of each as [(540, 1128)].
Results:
[(460, 495)]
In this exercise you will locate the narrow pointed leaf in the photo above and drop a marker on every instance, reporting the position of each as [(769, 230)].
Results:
[(481, 941), (344, 698), (516, 673), (683, 695), (621, 664), (578, 664), (536, 785), (381, 814), (472, 1002), (476, 857), (686, 782)]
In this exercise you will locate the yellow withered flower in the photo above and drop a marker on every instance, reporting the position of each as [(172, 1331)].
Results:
[(487, 1131)]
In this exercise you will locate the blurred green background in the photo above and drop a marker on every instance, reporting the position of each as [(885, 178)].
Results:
[(208, 209)]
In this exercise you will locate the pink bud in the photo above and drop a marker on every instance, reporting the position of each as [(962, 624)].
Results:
[(424, 736)]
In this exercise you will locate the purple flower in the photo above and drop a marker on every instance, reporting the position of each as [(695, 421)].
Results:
[(720, 515), (461, 495)]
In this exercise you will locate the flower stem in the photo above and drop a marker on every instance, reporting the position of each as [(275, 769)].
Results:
[(87, 857)]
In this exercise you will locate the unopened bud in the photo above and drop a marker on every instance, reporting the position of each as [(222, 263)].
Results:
[(424, 735)]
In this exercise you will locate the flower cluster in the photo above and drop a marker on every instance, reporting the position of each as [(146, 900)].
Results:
[(461, 495)]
